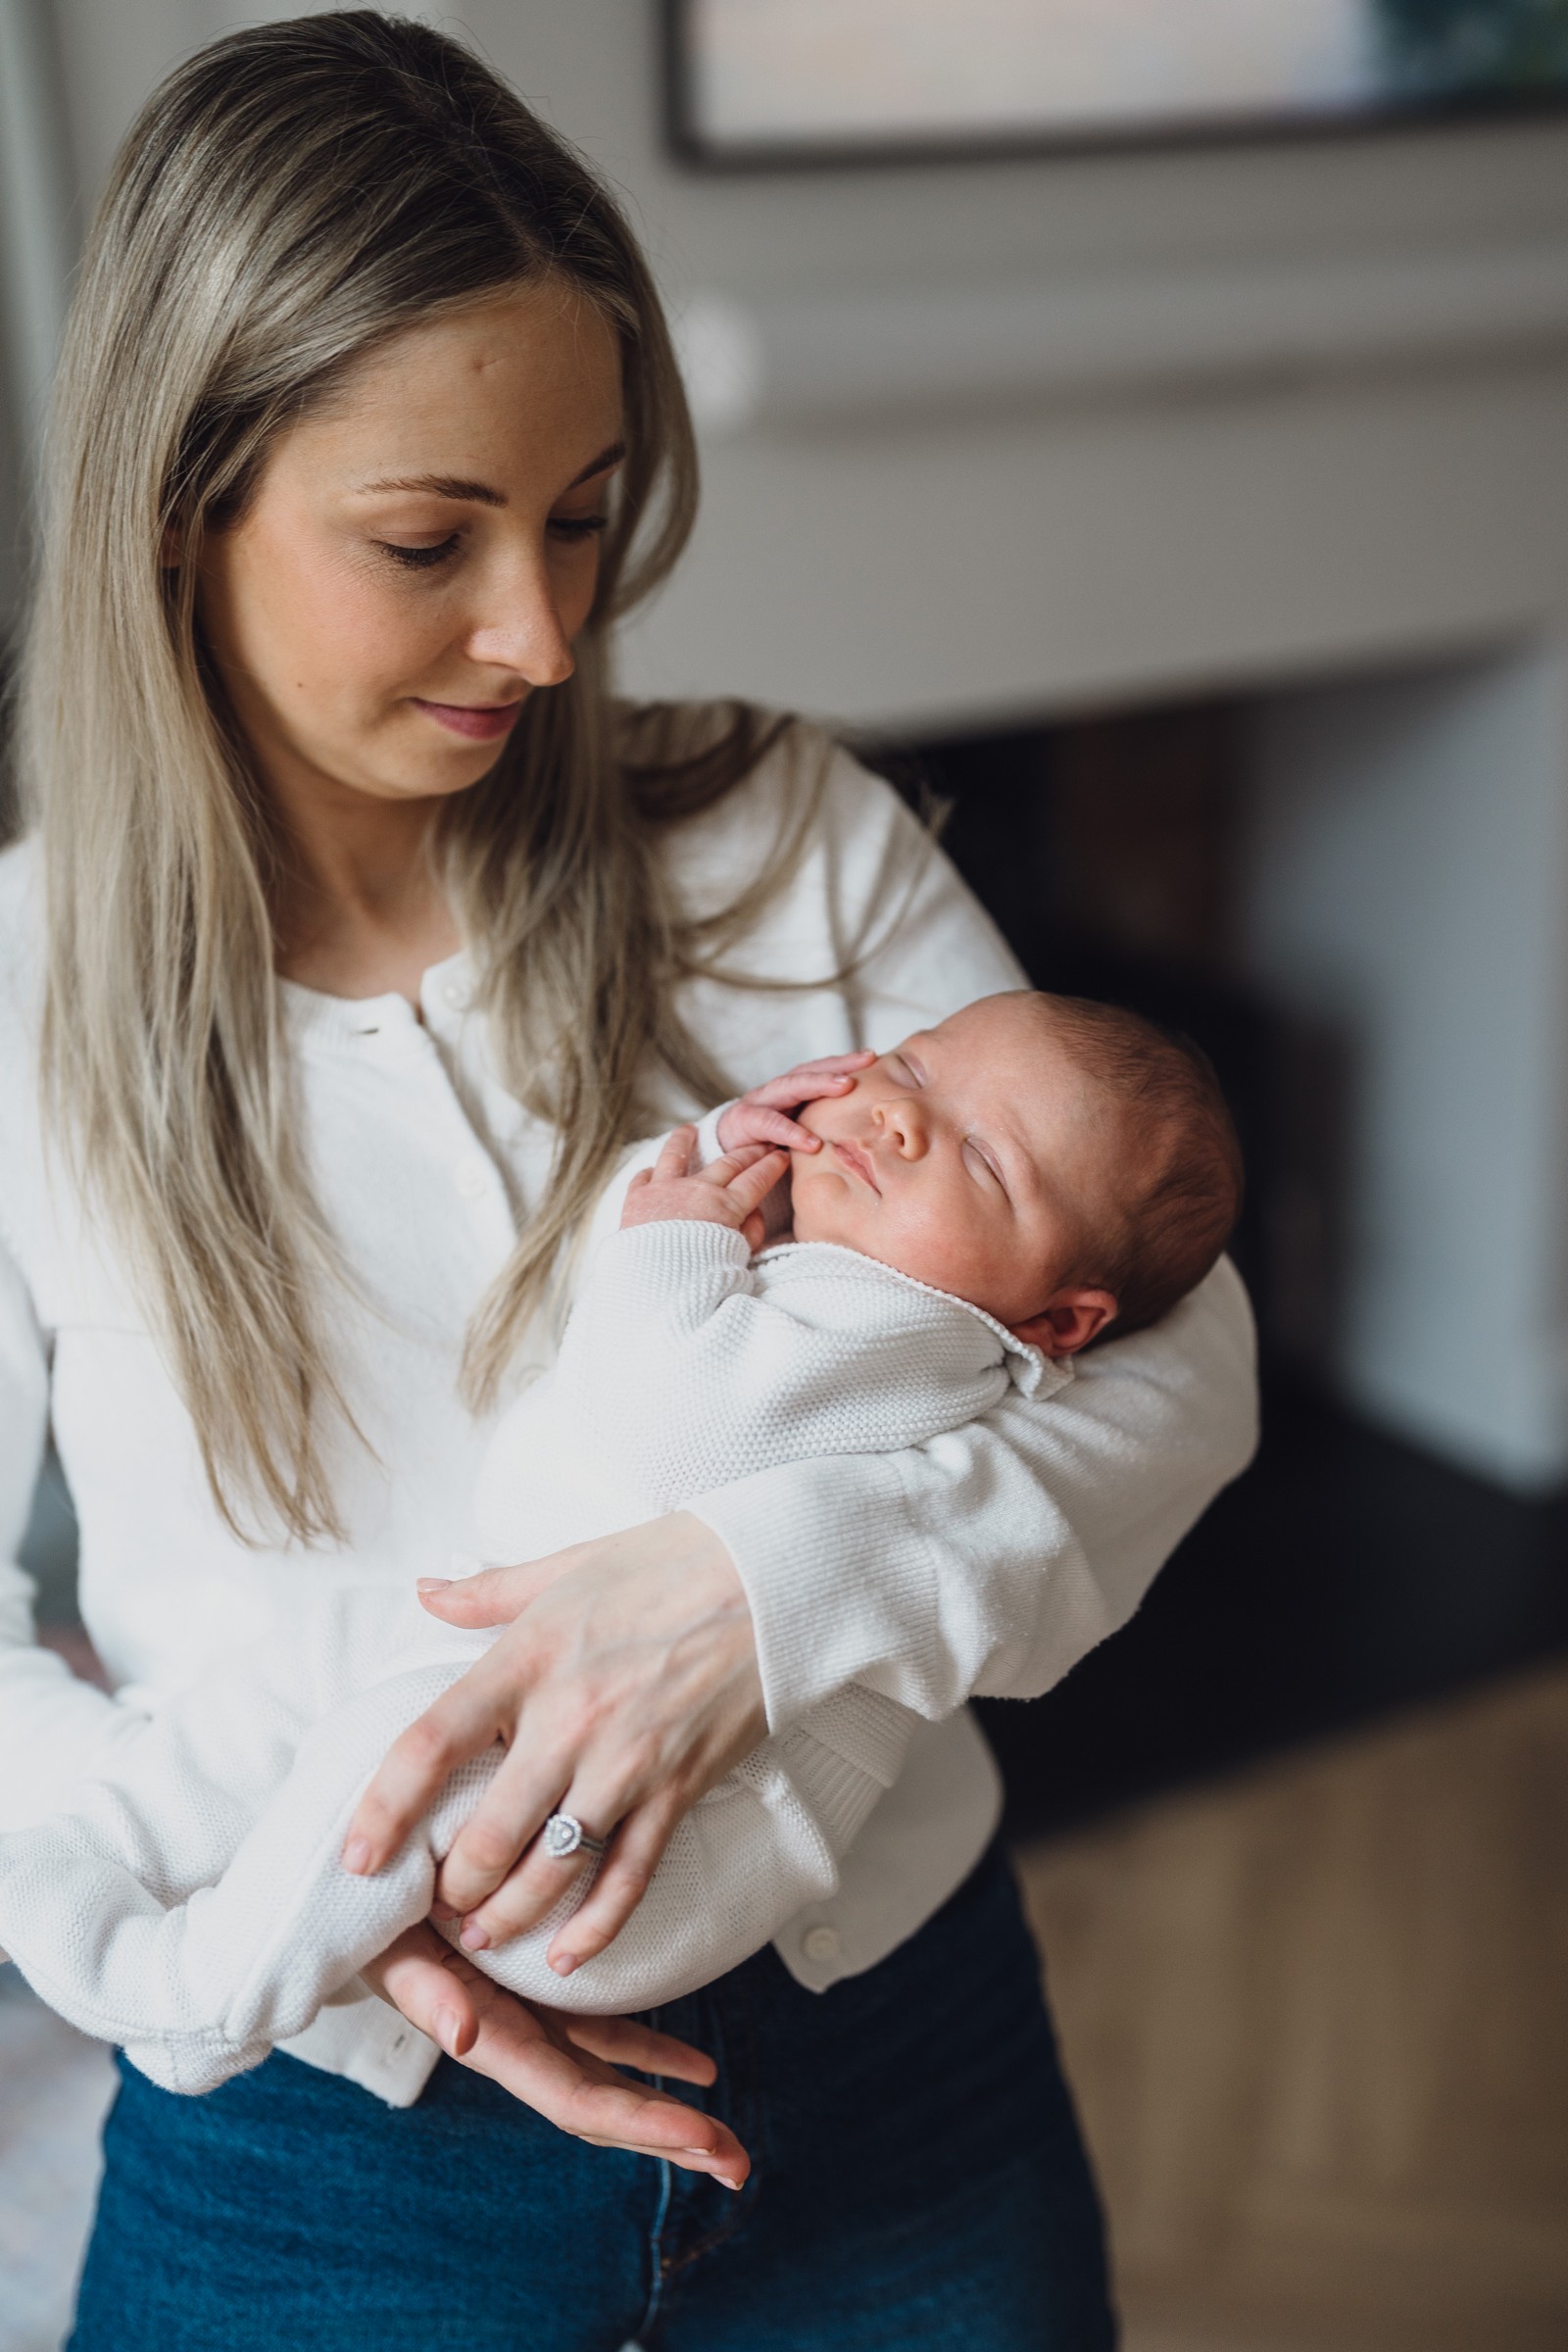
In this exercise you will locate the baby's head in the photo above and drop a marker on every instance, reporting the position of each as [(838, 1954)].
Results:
[(1063, 1165)]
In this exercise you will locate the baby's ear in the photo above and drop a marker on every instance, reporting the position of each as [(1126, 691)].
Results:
[(1067, 1322)]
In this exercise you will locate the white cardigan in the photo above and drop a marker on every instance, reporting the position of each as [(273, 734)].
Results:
[(191, 1906), (986, 1560)]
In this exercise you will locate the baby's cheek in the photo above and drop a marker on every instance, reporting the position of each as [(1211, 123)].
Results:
[(821, 1205)]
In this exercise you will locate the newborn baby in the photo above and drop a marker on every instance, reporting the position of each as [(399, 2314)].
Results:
[(986, 1200)]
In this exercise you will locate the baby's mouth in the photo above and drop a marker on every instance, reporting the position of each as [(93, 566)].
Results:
[(856, 1161)]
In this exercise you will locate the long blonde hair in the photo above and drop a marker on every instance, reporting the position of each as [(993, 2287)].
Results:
[(287, 199)]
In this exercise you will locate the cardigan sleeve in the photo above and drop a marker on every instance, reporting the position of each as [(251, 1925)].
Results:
[(992, 1559), (54, 1727)]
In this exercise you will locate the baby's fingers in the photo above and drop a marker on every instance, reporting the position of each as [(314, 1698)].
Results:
[(674, 1156), (827, 1077), (778, 1128), (749, 1188), (809, 1078)]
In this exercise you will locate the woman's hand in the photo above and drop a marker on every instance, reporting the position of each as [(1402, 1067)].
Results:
[(624, 1687), (561, 2066)]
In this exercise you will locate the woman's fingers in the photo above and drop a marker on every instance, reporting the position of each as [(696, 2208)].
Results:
[(530, 2053), (508, 1902), (617, 1890), (498, 1847), (424, 1977), (560, 2066), (627, 2041), (463, 1723), (495, 1596)]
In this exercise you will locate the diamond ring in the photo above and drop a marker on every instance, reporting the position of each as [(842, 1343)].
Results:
[(563, 1834)]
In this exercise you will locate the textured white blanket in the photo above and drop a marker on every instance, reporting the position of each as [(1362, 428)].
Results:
[(192, 1907)]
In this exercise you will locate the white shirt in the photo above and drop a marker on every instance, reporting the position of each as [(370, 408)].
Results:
[(989, 1559)]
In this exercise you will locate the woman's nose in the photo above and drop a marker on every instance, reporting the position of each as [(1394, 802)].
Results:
[(522, 631)]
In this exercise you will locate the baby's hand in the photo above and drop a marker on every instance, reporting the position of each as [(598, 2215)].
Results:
[(728, 1192), (762, 1116)]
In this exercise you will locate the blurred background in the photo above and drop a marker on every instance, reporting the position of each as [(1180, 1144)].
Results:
[(1144, 423)]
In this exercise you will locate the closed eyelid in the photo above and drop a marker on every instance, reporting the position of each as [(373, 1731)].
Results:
[(984, 1151)]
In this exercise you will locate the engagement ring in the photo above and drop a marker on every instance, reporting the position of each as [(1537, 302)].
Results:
[(563, 1834)]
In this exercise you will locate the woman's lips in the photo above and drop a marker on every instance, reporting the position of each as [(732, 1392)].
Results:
[(482, 723), (856, 1162)]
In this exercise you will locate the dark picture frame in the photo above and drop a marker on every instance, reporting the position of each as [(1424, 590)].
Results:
[(694, 145)]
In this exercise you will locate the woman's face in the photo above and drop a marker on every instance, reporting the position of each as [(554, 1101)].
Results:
[(419, 553)]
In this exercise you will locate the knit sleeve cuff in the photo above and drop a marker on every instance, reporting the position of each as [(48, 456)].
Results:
[(708, 1146), (841, 1582)]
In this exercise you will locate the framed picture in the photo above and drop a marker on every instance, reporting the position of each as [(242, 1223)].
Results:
[(769, 82)]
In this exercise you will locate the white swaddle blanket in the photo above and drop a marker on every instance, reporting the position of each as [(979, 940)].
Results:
[(192, 1907)]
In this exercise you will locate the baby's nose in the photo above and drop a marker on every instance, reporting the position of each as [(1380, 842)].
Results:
[(900, 1121)]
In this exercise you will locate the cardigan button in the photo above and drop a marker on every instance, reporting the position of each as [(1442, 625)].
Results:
[(820, 1944), (472, 1178)]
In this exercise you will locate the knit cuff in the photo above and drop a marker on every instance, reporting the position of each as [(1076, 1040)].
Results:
[(708, 1146), (841, 1583), (841, 1796)]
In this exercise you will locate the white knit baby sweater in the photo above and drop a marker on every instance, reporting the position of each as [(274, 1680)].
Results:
[(192, 1906)]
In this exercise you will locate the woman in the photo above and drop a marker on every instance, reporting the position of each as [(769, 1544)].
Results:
[(357, 934)]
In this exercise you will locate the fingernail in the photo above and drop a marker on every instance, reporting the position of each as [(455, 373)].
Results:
[(563, 1964), (356, 1855), (431, 1584), (474, 1937), (448, 2026)]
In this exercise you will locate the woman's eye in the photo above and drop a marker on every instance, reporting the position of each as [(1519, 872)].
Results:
[(419, 558), (904, 1071), (572, 527)]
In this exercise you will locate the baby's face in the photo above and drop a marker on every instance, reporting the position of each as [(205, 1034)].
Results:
[(969, 1157)]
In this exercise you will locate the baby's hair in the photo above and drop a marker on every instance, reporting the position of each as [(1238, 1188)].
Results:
[(1184, 1180)]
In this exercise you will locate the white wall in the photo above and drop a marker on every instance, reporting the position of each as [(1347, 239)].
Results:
[(1408, 885)]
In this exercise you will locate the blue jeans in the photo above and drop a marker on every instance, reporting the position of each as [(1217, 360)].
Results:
[(918, 2181)]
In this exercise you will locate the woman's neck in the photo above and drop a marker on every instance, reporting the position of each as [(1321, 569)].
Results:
[(361, 909)]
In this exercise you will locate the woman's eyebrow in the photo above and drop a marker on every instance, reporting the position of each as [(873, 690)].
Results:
[(479, 494), (600, 464), (436, 485)]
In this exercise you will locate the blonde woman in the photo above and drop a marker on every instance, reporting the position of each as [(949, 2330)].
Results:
[(355, 934)]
